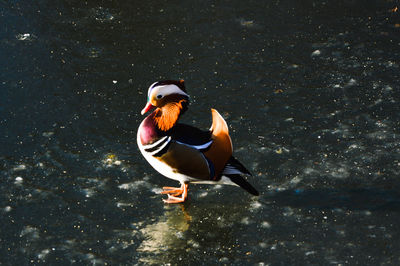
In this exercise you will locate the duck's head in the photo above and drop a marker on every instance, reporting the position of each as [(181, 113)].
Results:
[(164, 92)]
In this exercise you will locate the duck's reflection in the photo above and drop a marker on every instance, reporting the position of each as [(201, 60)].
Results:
[(189, 232), (167, 234)]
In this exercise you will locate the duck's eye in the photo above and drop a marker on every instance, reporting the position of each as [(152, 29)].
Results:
[(159, 96)]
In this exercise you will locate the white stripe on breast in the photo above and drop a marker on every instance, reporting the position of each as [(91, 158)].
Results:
[(149, 146), (161, 147)]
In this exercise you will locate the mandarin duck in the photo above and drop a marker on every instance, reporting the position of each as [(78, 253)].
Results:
[(182, 152)]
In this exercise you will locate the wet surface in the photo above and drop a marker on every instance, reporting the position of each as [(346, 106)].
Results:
[(311, 94)]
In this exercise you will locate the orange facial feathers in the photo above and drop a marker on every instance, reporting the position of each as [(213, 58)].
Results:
[(167, 116)]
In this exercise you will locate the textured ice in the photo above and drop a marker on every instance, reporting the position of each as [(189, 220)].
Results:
[(88, 192), (133, 186), (30, 232), (319, 133)]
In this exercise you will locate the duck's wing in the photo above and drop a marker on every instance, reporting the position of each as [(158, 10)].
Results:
[(191, 136), (214, 145), (186, 160), (221, 149)]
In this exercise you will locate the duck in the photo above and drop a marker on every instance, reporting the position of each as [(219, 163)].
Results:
[(183, 152)]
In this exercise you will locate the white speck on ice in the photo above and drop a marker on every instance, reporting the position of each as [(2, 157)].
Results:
[(246, 23), (217, 186), (316, 53), (156, 190), (265, 224), (194, 243), (256, 205), (388, 88), (351, 83), (30, 231), (123, 204), (88, 192), (47, 134), (203, 194), (245, 220), (262, 244), (134, 185), (43, 253), (18, 180), (20, 167), (24, 36)]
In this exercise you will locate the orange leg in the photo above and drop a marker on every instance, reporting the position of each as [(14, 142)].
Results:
[(174, 191), (173, 194)]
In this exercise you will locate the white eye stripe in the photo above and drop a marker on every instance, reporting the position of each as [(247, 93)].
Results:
[(165, 90), (150, 88)]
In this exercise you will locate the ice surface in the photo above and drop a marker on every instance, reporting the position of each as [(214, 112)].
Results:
[(310, 94)]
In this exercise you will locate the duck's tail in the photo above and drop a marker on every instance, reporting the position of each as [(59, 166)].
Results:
[(233, 171)]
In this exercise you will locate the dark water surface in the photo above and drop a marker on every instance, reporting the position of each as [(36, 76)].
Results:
[(310, 90)]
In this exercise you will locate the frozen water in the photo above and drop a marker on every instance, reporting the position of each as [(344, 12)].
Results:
[(311, 96)]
